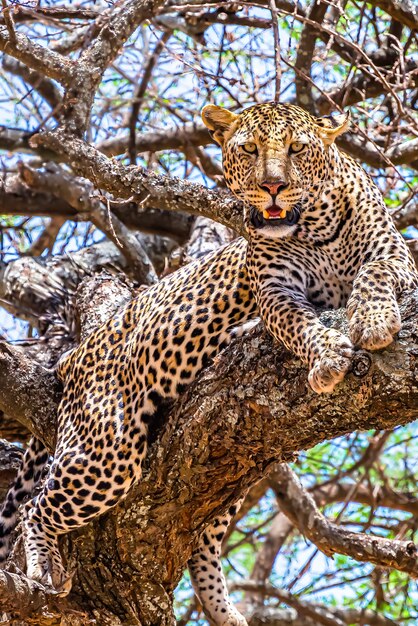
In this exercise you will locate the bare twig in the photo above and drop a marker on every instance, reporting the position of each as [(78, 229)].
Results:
[(277, 55), (140, 92)]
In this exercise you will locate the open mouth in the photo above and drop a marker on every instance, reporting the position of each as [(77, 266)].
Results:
[(274, 212), (274, 216)]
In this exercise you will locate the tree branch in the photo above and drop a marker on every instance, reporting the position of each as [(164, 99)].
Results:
[(45, 87), (38, 58), (16, 198), (140, 92), (169, 139), (272, 616), (304, 58), (404, 11), (300, 507), (41, 291), (143, 186), (80, 197), (28, 392)]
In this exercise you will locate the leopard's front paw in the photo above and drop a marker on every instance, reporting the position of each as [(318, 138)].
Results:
[(373, 330), (332, 364)]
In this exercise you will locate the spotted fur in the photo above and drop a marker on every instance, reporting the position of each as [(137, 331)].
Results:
[(319, 236)]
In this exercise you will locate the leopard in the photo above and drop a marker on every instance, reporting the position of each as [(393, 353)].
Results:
[(318, 236)]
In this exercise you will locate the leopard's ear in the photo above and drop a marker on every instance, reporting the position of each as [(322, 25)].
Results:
[(331, 126), (218, 120)]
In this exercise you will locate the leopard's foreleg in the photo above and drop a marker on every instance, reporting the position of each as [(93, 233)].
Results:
[(372, 308), (292, 320)]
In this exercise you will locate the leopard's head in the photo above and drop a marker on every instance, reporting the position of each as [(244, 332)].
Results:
[(273, 156)]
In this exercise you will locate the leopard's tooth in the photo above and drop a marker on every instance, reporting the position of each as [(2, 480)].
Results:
[(266, 214)]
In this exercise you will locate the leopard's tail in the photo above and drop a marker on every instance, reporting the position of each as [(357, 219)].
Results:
[(28, 476)]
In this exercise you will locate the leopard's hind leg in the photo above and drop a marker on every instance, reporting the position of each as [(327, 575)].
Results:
[(207, 576), (29, 475), (82, 484), (43, 559)]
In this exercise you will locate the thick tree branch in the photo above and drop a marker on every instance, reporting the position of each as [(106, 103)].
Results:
[(154, 141), (115, 28), (364, 86), (381, 495), (17, 140), (282, 526), (150, 189), (41, 291), (141, 90), (28, 392), (196, 135), (404, 154), (16, 198), (81, 198), (24, 595), (143, 186), (305, 55)]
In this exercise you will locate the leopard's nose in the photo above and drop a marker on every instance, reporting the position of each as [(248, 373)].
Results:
[(273, 186)]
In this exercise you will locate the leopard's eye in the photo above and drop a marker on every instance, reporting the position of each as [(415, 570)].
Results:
[(250, 148), (296, 147)]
